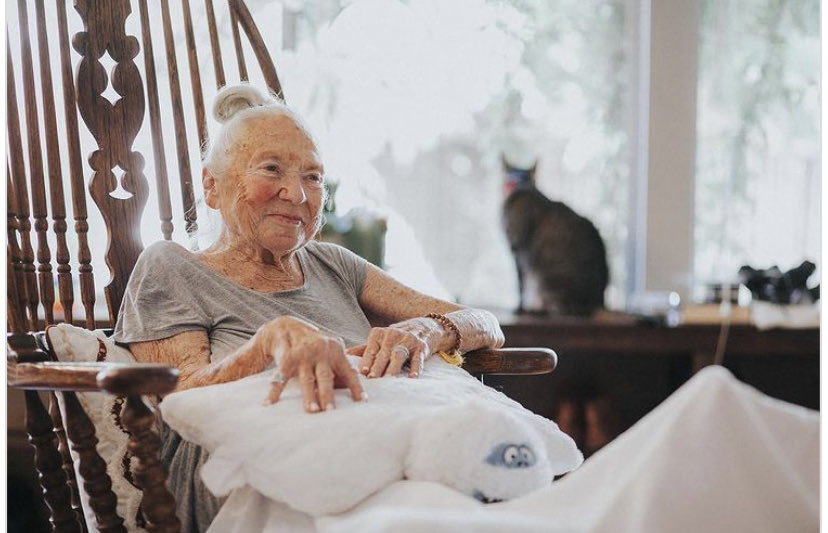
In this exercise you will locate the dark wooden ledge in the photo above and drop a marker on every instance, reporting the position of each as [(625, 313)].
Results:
[(511, 361)]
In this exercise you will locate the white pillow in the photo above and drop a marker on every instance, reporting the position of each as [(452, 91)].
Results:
[(445, 427), (74, 344)]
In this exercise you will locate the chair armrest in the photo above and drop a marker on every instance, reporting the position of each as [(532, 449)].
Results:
[(510, 361), (31, 365), (121, 379)]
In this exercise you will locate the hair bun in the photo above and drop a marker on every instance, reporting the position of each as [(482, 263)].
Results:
[(234, 98)]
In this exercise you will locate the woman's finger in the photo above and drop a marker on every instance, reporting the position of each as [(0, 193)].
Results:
[(283, 373), (370, 352), (357, 350), (380, 362), (307, 381), (418, 358), (325, 385), (350, 378), (275, 392), (400, 354)]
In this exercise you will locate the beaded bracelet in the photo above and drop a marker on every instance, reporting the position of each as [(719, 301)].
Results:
[(452, 356)]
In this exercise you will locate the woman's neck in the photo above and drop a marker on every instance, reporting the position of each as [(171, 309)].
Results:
[(256, 268)]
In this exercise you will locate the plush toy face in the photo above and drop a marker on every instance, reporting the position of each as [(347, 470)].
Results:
[(493, 455), (512, 456), (508, 456)]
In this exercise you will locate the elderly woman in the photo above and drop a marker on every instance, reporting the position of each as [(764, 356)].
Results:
[(266, 294)]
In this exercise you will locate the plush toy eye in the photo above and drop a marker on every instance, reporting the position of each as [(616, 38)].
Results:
[(526, 456), (510, 455)]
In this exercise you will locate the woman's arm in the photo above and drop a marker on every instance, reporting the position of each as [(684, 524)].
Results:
[(190, 353), (392, 302), (299, 349)]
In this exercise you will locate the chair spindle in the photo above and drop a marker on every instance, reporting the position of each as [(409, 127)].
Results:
[(77, 183), (15, 295), (92, 468), (49, 464), (21, 190), (64, 270), (68, 468), (38, 186), (218, 63), (195, 74), (158, 504), (161, 178), (237, 44), (244, 17), (181, 142)]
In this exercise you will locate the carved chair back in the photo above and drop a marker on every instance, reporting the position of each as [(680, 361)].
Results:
[(106, 108), (105, 120)]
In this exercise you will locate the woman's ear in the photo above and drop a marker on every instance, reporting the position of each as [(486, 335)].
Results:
[(211, 196)]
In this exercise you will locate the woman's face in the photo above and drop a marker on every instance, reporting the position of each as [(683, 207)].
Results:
[(272, 195)]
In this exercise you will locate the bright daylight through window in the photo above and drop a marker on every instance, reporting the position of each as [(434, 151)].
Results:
[(413, 115)]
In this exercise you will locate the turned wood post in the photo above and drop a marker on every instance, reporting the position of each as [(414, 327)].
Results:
[(157, 505), (92, 468), (68, 467), (49, 465)]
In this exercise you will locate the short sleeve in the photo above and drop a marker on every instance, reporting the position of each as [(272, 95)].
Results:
[(159, 300), (346, 264)]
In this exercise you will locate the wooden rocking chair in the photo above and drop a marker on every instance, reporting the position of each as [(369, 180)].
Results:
[(113, 103)]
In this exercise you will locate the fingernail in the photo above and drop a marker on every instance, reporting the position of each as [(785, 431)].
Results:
[(372, 375), (363, 396), (314, 407), (414, 374), (329, 407)]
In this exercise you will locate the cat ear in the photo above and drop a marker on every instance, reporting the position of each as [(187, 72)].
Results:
[(503, 162), (531, 171)]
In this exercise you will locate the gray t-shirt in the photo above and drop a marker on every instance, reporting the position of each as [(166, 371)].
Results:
[(171, 291)]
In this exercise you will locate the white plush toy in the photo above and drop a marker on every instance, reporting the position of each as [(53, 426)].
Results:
[(445, 427), (481, 450)]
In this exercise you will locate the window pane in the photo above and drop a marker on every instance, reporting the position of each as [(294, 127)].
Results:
[(414, 114), (758, 162)]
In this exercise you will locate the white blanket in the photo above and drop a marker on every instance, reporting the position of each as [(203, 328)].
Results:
[(445, 427), (716, 456)]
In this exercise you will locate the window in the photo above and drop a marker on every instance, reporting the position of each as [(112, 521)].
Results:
[(415, 112), (413, 115), (758, 163)]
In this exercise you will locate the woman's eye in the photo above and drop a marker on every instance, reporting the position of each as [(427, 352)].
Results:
[(272, 168), (316, 178)]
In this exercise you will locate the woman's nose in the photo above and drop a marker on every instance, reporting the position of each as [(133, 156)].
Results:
[(291, 190)]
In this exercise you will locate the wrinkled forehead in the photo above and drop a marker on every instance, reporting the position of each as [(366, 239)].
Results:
[(273, 131)]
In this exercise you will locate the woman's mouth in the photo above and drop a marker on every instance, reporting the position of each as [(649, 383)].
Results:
[(286, 219)]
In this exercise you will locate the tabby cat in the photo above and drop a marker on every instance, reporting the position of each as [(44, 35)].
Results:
[(560, 256)]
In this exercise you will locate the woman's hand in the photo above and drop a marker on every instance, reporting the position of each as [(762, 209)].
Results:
[(301, 351), (388, 349)]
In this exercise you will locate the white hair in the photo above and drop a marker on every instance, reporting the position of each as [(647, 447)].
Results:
[(233, 107)]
